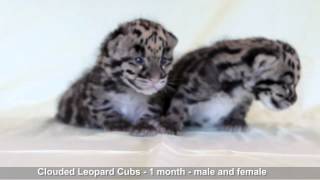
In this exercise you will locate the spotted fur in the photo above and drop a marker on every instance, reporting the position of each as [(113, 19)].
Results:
[(214, 86), (119, 91)]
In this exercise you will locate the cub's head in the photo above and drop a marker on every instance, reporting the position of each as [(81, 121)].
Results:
[(279, 73), (140, 53)]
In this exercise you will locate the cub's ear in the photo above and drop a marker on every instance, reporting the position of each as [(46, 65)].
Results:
[(110, 46), (172, 40)]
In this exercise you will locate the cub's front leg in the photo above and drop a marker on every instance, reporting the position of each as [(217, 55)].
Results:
[(236, 119), (115, 122), (176, 115), (149, 123), (106, 117), (194, 91)]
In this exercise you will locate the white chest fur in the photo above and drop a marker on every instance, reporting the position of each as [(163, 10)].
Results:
[(211, 112), (131, 105)]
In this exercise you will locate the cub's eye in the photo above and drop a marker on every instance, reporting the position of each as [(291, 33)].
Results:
[(139, 60), (164, 61), (279, 95)]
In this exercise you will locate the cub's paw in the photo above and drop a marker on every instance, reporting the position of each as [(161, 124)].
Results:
[(144, 129), (170, 127), (232, 125), (118, 125)]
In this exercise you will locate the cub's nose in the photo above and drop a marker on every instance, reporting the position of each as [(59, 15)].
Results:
[(154, 80), (154, 77), (293, 98)]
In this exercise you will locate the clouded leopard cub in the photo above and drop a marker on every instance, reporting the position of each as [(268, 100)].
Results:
[(119, 91), (214, 86)]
